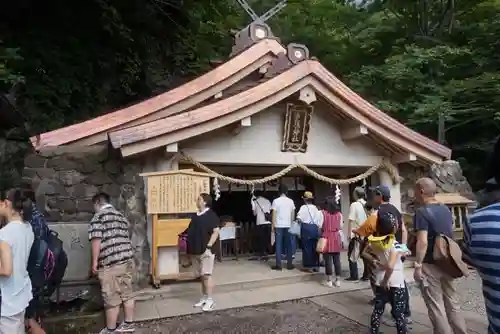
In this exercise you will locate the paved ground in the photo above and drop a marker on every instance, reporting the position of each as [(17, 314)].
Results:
[(341, 312)]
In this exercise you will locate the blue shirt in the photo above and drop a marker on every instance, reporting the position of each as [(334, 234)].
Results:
[(435, 219), (482, 240)]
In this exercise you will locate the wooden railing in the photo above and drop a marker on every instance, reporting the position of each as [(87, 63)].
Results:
[(245, 234)]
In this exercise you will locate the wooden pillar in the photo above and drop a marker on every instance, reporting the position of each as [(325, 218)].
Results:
[(345, 203), (385, 179)]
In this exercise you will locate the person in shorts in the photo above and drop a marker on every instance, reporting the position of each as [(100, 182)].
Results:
[(202, 233), (113, 263)]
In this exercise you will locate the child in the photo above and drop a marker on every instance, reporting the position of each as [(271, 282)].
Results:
[(389, 273)]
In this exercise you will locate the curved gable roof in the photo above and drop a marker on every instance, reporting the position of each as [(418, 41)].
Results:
[(148, 108), (308, 72)]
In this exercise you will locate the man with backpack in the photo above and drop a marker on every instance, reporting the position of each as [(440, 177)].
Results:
[(434, 227)]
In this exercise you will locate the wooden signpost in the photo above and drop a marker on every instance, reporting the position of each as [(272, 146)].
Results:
[(171, 196)]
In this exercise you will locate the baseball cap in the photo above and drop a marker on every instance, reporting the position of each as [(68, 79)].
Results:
[(383, 191)]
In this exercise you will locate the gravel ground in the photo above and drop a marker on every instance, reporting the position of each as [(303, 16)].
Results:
[(471, 295), (300, 316)]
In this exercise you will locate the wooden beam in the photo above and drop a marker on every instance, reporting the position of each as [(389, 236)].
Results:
[(354, 132), (172, 148), (403, 158), (246, 122)]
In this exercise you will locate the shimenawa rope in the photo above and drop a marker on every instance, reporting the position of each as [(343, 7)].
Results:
[(385, 164)]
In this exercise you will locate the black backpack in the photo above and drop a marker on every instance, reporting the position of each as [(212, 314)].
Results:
[(47, 264)]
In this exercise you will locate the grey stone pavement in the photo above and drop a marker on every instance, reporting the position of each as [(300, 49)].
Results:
[(304, 307)]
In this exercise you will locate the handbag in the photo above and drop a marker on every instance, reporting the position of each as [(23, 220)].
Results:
[(295, 228), (321, 245)]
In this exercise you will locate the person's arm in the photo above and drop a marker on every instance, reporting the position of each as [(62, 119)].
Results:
[(95, 236), (254, 207), (273, 214), (215, 230), (352, 218), (320, 219), (466, 253), (300, 214), (404, 231), (389, 269), (421, 228), (368, 227), (5, 259), (292, 212)]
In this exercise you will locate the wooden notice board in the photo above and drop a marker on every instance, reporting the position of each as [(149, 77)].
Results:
[(171, 193), (175, 191)]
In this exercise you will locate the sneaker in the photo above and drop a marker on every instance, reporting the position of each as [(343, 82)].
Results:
[(107, 331), (126, 327), (200, 303), (351, 279), (408, 320), (208, 305), (337, 283), (276, 268), (328, 284), (290, 267)]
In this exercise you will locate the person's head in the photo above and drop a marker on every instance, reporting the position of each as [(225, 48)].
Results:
[(381, 194), (204, 201), (15, 203), (370, 208), (283, 190), (308, 197), (331, 205), (387, 223), (99, 200), (425, 190), (358, 193)]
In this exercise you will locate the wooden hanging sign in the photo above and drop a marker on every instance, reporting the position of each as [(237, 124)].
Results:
[(175, 191), (296, 128)]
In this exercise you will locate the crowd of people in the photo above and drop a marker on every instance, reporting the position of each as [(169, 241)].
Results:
[(376, 227)]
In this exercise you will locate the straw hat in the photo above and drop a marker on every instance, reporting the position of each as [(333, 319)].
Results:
[(308, 195)]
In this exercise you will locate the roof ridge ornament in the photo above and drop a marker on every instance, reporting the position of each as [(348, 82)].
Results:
[(257, 30), (295, 53)]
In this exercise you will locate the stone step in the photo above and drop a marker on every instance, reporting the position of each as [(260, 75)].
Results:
[(182, 289)]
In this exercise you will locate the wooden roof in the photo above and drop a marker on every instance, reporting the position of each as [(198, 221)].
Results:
[(452, 198), (166, 104), (306, 73), (191, 109)]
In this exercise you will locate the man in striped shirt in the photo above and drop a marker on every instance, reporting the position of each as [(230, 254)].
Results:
[(113, 263), (482, 249)]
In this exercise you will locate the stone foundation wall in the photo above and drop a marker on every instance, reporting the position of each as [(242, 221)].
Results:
[(64, 181)]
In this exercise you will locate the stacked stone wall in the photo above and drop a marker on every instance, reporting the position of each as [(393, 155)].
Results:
[(64, 181)]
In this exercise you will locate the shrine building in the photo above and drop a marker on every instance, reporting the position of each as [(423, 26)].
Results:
[(268, 107)]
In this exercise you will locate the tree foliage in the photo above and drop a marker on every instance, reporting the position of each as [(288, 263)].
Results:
[(421, 61)]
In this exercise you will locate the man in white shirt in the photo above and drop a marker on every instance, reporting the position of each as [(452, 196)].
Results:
[(261, 208), (357, 216), (283, 213)]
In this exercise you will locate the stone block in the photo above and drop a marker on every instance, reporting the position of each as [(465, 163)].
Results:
[(98, 178), (82, 190), (30, 173), (64, 205), (45, 173), (113, 190), (70, 177), (62, 163), (84, 205), (35, 161), (77, 246)]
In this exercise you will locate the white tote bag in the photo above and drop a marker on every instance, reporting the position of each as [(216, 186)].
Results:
[(295, 228)]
